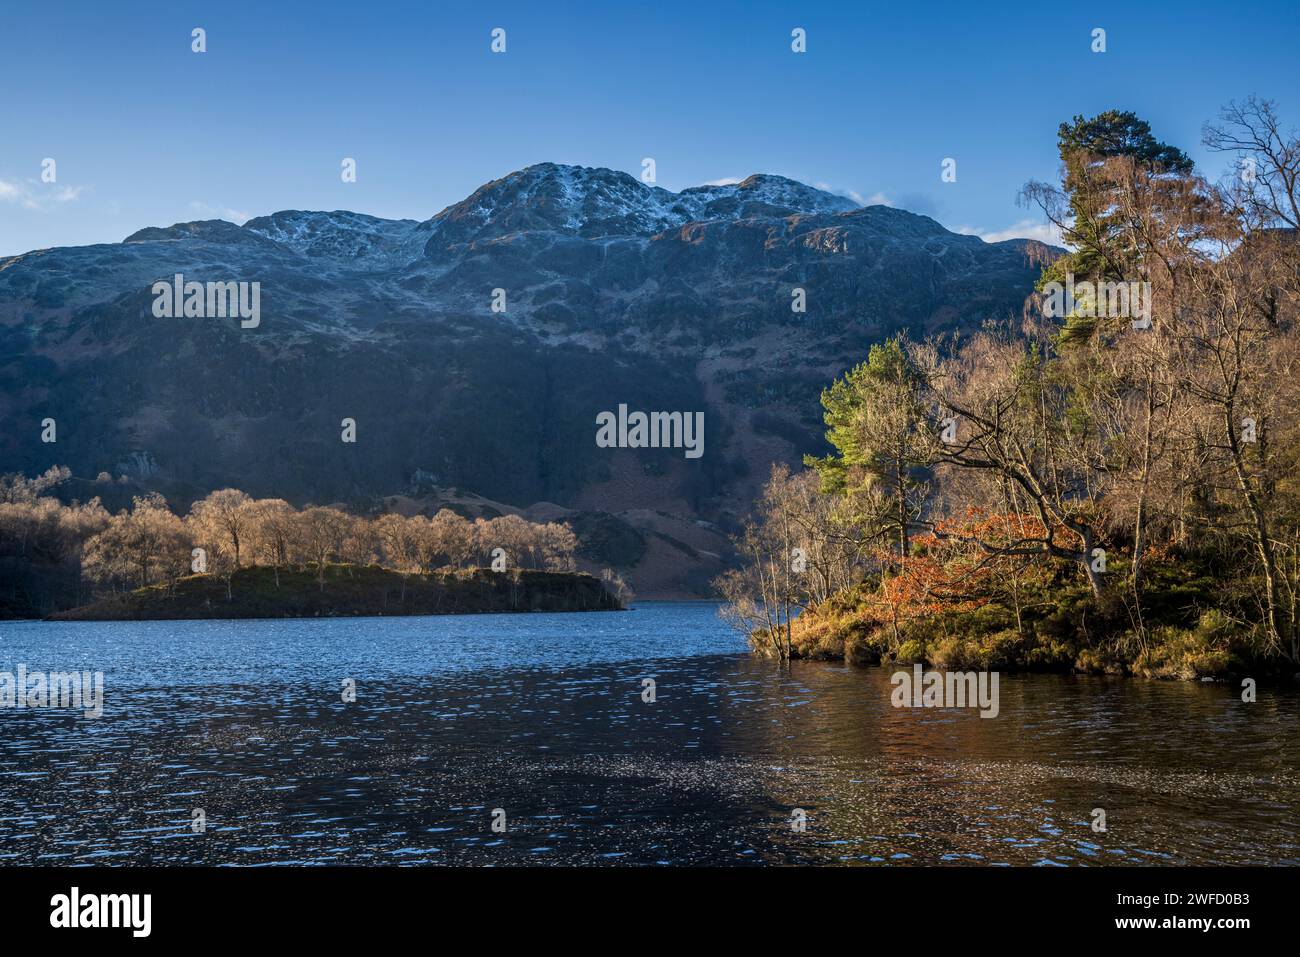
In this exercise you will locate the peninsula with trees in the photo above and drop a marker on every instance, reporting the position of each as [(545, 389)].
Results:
[(1099, 488), (233, 556)]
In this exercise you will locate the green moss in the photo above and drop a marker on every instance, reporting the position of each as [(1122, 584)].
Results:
[(1208, 650), (910, 651)]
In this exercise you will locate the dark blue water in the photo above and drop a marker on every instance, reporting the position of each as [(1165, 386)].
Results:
[(542, 717)]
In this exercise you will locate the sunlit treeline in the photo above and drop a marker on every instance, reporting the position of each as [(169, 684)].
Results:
[(149, 543)]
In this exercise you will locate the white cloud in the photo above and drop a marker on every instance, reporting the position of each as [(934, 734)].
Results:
[(1024, 229), (876, 200), (725, 181), (206, 211), (32, 195)]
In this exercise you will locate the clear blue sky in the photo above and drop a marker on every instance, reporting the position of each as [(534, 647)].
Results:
[(145, 132)]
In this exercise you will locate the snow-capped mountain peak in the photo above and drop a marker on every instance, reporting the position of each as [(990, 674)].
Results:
[(596, 202)]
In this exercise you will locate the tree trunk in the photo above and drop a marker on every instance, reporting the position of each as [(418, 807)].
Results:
[(1094, 576), (1259, 524), (1140, 522), (901, 502)]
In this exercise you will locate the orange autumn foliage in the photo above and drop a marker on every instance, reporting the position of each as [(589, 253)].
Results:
[(956, 567)]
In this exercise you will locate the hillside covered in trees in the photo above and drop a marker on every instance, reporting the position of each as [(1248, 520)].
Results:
[(236, 556), (1107, 482)]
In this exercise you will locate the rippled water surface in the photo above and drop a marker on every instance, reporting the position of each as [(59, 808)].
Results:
[(542, 716)]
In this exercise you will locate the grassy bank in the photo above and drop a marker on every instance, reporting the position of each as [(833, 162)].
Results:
[(1190, 628), (351, 591)]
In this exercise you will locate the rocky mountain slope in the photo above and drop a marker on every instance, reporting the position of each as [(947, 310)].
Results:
[(613, 292)]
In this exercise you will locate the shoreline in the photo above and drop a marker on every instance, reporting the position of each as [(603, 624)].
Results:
[(347, 591)]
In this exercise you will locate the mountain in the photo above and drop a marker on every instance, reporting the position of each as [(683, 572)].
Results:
[(615, 292)]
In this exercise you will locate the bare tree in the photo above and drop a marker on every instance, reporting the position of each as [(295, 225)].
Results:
[(224, 518), (321, 533)]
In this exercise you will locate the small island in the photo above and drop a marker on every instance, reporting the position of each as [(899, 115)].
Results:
[(234, 556)]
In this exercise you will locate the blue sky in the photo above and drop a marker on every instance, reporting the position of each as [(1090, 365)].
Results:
[(146, 132)]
